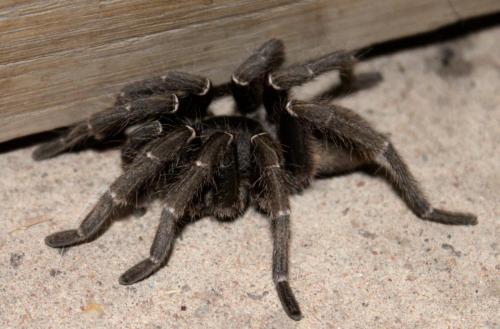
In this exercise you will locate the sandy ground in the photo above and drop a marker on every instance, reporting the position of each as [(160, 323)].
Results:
[(359, 257)]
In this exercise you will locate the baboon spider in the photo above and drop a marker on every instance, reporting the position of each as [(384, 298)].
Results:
[(205, 165)]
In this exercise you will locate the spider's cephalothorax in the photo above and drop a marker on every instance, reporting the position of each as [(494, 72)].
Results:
[(220, 165)]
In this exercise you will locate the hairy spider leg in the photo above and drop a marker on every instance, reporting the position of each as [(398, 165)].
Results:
[(279, 82), (175, 93), (272, 197), (194, 92), (297, 150), (142, 170), (180, 83), (176, 201), (295, 137), (138, 138), (354, 133), (298, 74), (409, 188), (107, 123), (249, 77)]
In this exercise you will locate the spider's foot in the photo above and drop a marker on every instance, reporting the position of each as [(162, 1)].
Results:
[(64, 239), (450, 218), (139, 272), (288, 300)]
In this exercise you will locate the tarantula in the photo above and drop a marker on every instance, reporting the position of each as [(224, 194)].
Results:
[(205, 165)]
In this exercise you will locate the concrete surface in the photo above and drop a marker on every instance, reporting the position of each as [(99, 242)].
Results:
[(359, 257)]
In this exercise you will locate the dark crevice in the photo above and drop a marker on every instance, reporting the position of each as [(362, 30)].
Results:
[(450, 32)]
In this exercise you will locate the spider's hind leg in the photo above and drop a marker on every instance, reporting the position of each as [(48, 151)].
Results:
[(353, 133), (414, 197)]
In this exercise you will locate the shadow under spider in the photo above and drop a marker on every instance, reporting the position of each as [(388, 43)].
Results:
[(361, 81)]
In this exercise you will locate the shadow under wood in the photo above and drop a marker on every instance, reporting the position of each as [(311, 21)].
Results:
[(449, 32), (38, 139)]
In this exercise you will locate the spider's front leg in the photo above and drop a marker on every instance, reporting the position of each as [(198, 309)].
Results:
[(292, 134), (272, 197), (298, 74), (177, 200), (146, 166), (350, 132), (179, 93), (247, 80), (280, 82)]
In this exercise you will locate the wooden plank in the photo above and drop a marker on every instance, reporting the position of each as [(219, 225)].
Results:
[(62, 60)]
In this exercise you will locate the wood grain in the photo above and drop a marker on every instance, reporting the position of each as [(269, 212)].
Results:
[(62, 60)]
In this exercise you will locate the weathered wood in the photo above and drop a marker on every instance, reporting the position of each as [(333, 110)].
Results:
[(62, 60)]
